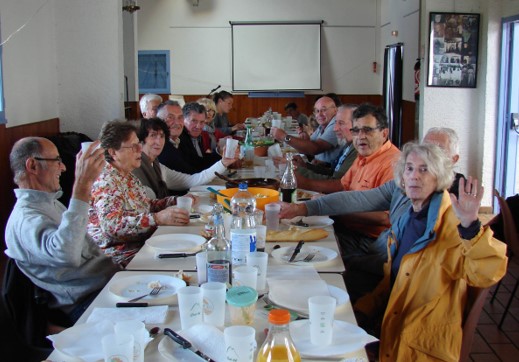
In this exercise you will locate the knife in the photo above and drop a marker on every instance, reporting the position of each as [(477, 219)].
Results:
[(296, 251), (127, 305), (186, 344), (175, 255)]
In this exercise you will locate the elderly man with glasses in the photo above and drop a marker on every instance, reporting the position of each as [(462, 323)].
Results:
[(323, 143), (49, 241)]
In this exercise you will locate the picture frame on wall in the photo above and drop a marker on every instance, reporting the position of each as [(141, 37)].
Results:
[(453, 50)]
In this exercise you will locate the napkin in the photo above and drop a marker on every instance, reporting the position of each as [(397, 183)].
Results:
[(149, 315), (285, 286), (206, 338), (275, 151)]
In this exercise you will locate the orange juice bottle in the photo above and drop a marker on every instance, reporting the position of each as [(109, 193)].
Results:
[(278, 346)]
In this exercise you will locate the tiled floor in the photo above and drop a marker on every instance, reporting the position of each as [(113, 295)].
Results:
[(490, 343)]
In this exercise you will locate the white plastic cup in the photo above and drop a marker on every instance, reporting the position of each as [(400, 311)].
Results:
[(261, 237), (260, 171), (85, 145), (322, 309), (190, 306), (246, 276), (138, 330), (272, 216), (213, 294), (259, 260), (185, 203), (118, 347), (230, 147), (240, 343), (201, 267), (277, 123), (227, 219)]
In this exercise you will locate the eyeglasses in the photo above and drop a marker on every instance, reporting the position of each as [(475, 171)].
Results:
[(136, 147), (367, 130), (323, 110), (56, 159)]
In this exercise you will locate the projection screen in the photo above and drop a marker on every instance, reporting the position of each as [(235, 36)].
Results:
[(276, 56)]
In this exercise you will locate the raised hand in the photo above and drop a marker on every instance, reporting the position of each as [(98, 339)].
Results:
[(466, 206)]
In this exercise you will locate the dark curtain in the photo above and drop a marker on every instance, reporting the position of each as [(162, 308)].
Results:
[(392, 90)]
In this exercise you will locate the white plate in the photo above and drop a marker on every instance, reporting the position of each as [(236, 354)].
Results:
[(312, 221), (137, 285), (347, 338), (176, 242), (306, 194), (340, 295), (322, 255)]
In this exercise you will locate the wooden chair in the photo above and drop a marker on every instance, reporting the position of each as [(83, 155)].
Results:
[(475, 301), (512, 240), (24, 316)]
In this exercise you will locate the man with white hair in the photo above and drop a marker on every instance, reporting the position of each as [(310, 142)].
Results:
[(149, 104), (447, 139)]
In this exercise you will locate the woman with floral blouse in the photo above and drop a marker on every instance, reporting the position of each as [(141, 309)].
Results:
[(121, 216)]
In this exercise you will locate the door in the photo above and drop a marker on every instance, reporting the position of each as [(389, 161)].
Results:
[(507, 165)]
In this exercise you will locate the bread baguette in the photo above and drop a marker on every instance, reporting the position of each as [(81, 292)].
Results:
[(296, 234)]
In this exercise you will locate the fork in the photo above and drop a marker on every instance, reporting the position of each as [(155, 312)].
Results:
[(309, 257), (154, 291)]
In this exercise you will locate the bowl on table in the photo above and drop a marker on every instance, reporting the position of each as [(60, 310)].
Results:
[(263, 196)]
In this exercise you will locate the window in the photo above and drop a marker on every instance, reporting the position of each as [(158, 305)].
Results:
[(154, 71)]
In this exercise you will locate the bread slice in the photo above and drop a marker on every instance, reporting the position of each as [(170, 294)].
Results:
[(296, 234)]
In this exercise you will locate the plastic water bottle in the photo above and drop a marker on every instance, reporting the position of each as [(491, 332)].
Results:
[(243, 226), (288, 184), (218, 251)]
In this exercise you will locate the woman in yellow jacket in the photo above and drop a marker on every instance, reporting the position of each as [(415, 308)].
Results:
[(434, 251)]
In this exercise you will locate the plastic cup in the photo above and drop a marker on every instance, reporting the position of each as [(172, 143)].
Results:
[(260, 171), (185, 202), (230, 147), (240, 343), (201, 267), (322, 309), (261, 237), (118, 347), (277, 123), (190, 304), (213, 294), (242, 305), (259, 260), (258, 217), (272, 215), (85, 145), (246, 276), (138, 330)]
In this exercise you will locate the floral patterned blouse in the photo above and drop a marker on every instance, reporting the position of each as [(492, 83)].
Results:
[(121, 215)]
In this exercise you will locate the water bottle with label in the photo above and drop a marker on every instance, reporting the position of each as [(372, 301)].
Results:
[(243, 226), (218, 251)]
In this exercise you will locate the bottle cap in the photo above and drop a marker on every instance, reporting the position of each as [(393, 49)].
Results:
[(279, 316), (243, 186)]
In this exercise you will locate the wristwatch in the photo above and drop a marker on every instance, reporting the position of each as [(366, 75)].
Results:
[(287, 138)]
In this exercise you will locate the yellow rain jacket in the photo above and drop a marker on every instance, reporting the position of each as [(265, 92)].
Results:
[(424, 309)]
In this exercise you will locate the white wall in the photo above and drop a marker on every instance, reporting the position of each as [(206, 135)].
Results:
[(66, 62), (29, 61), (199, 39), (470, 111), (90, 67)]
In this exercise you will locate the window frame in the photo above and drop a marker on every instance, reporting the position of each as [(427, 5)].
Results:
[(167, 89)]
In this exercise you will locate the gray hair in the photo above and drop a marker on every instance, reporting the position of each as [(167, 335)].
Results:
[(208, 104), (346, 106), (113, 134), (161, 110), (23, 150), (454, 147), (192, 107), (438, 164), (143, 103)]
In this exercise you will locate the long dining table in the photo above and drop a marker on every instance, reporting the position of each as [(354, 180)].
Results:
[(146, 262)]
